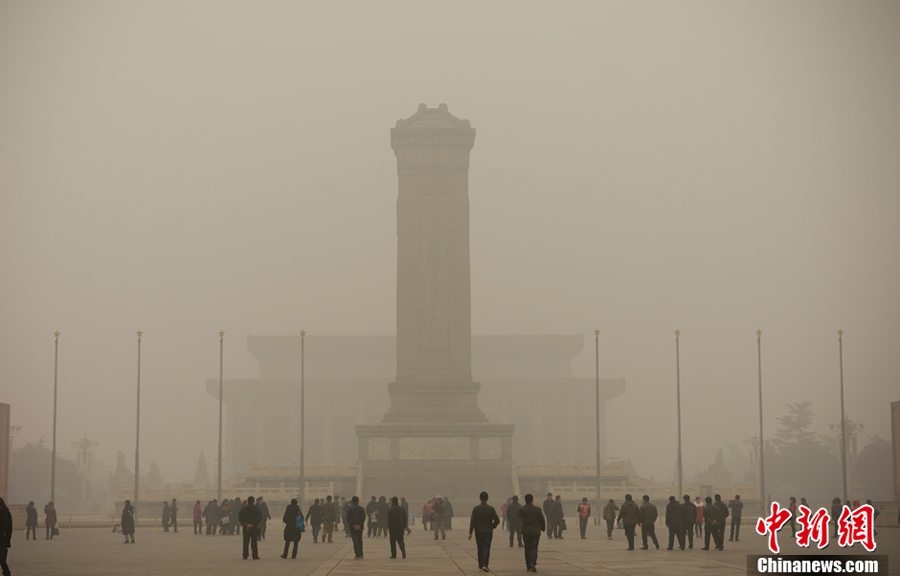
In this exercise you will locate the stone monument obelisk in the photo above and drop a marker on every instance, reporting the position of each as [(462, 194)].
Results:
[(434, 439)]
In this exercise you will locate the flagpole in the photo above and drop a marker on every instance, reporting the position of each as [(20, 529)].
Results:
[(762, 444), (846, 490), (302, 418), (221, 360), (597, 406), (137, 435), (53, 457), (678, 395)]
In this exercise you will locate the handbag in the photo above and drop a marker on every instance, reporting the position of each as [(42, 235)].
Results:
[(301, 523), (55, 531), (562, 525)]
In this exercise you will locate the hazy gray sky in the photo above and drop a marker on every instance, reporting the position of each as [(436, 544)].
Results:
[(716, 167)]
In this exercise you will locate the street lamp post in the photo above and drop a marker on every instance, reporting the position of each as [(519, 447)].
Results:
[(846, 490), (53, 456), (762, 444), (219, 473), (137, 435), (678, 399), (302, 417), (597, 406)]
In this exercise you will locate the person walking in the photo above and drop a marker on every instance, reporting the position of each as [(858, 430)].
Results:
[(50, 520), (426, 514), (237, 506), (483, 521), (211, 513), (548, 506), (609, 515), (250, 519), (737, 508), (337, 512), (837, 509), (513, 522), (266, 516), (356, 517), (711, 521), (649, 514), (533, 523), (503, 513), (584, 512), (6, 530), (398, 524), (560, 517), (198, 518), (225, 513), (173, 510), (314, 519), (166, 516), (405, 506), (31, 521), (690, 516), (328, 518), (630, 515), (448, 513), (437, 518), (723, 514), (127, 521), (675, 523), (792, 508), (344, 507), (292, 529)]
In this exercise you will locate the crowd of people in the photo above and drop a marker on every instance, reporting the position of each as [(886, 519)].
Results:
[(707, 519)]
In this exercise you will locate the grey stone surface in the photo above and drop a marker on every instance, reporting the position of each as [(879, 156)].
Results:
[(98, 552)]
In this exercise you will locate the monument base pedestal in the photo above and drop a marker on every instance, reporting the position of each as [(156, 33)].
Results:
[(421, 460)]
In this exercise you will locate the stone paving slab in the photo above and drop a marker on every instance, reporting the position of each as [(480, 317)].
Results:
[(95, 551)]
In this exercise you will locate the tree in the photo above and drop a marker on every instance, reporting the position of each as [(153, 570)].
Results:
[(795, 424), (872, 474), (201, 476), (29, 476)]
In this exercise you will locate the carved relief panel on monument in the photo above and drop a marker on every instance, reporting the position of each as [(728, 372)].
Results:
[(442, 448)]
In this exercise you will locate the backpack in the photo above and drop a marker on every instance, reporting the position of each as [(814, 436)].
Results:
[(301, 525)]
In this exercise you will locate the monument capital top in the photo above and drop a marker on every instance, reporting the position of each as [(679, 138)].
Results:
[(439, 117)]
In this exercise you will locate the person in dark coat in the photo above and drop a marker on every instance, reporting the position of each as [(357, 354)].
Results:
[(548, 505), (166, 516), (513, 522), (649, 514), (31, 521), (675, 523), (250, 519), (266, 516), (836, 510), (356, 516), (128, 521), (711, 520), (237, 505), (737, 508), (690, 516), (559, 517), (533, 524), (314, 519), (6, 530), (381, 511), (344, 507), (630, 515), (173, 511), (329, 517), (211, 512), (225, 514), (723, 514), (609, 515), (483, 522), (50, 519), (405, 506), (292, 534), (397, 523), (448, 514), (370, 510)]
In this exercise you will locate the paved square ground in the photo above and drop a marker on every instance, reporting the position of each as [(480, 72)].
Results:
[(96, 551)]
